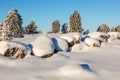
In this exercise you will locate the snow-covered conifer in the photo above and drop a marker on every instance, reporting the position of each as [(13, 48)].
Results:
[(14, 21), (56, 26), (75, 22)]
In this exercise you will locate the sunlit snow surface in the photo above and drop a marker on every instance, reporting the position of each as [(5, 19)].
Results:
[(88, 63)]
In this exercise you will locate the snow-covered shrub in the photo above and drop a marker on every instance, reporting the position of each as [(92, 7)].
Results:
[(43, 46), (115, 34), (72, 38), (92, 42), (78, 47), (14, 49), (99, 35), (60, 44), (69, 39)]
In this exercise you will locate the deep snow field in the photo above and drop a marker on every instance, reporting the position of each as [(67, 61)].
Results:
[(82, 62)]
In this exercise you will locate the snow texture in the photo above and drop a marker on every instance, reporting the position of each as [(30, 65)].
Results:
[(43, 45)]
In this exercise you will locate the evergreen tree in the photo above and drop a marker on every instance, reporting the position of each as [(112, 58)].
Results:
[(103, 28), (4, 32), (31, 28), (117, 28), (55, 26), (64, 28), (112, 29), (75, 22), (14, 21)]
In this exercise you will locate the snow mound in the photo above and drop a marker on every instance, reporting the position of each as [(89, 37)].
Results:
[(92, 42), (99, 35), (115, 34), (14, 49), (60, 44), (71, 38), (78, 47), (43, 45), (71, 71)]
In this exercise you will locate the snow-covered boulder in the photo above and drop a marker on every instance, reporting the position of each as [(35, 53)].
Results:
[(77, 36), (43, 46), (60, 44), (71, 38), (99, 35), (14, 49), (116, 35), (79, 47), (92, 42)]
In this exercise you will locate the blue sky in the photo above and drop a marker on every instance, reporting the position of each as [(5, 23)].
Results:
[(44, 12)]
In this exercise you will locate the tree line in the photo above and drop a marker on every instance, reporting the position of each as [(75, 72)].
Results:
[(13, 23)]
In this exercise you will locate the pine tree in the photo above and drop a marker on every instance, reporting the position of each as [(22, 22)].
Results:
[(112, 29), (4, 32), (55, 26), (64, 28), (14, 21), (103, 28), (31, 28), (117, 28), (75, 22)]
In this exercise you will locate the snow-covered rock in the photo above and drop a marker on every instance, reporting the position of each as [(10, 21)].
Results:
[(115, 34), (92, 42), (79, 47), (60, 44), (42, 46), (14, 49), (71, 38), (99, 35)]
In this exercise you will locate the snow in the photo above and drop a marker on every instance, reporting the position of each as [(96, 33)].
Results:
[(4, 45), (83, 63), (92, 42), (79, 47), (60, 44), (43, 45), (97, 35), (115, 34), (71, 37)]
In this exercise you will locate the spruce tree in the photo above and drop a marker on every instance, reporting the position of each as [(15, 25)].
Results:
[(56, 26), (4, 32), (75, 22), (103, 28), (31, 28), (14, 21), (117, 28), (64, 28), (112, 29)]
